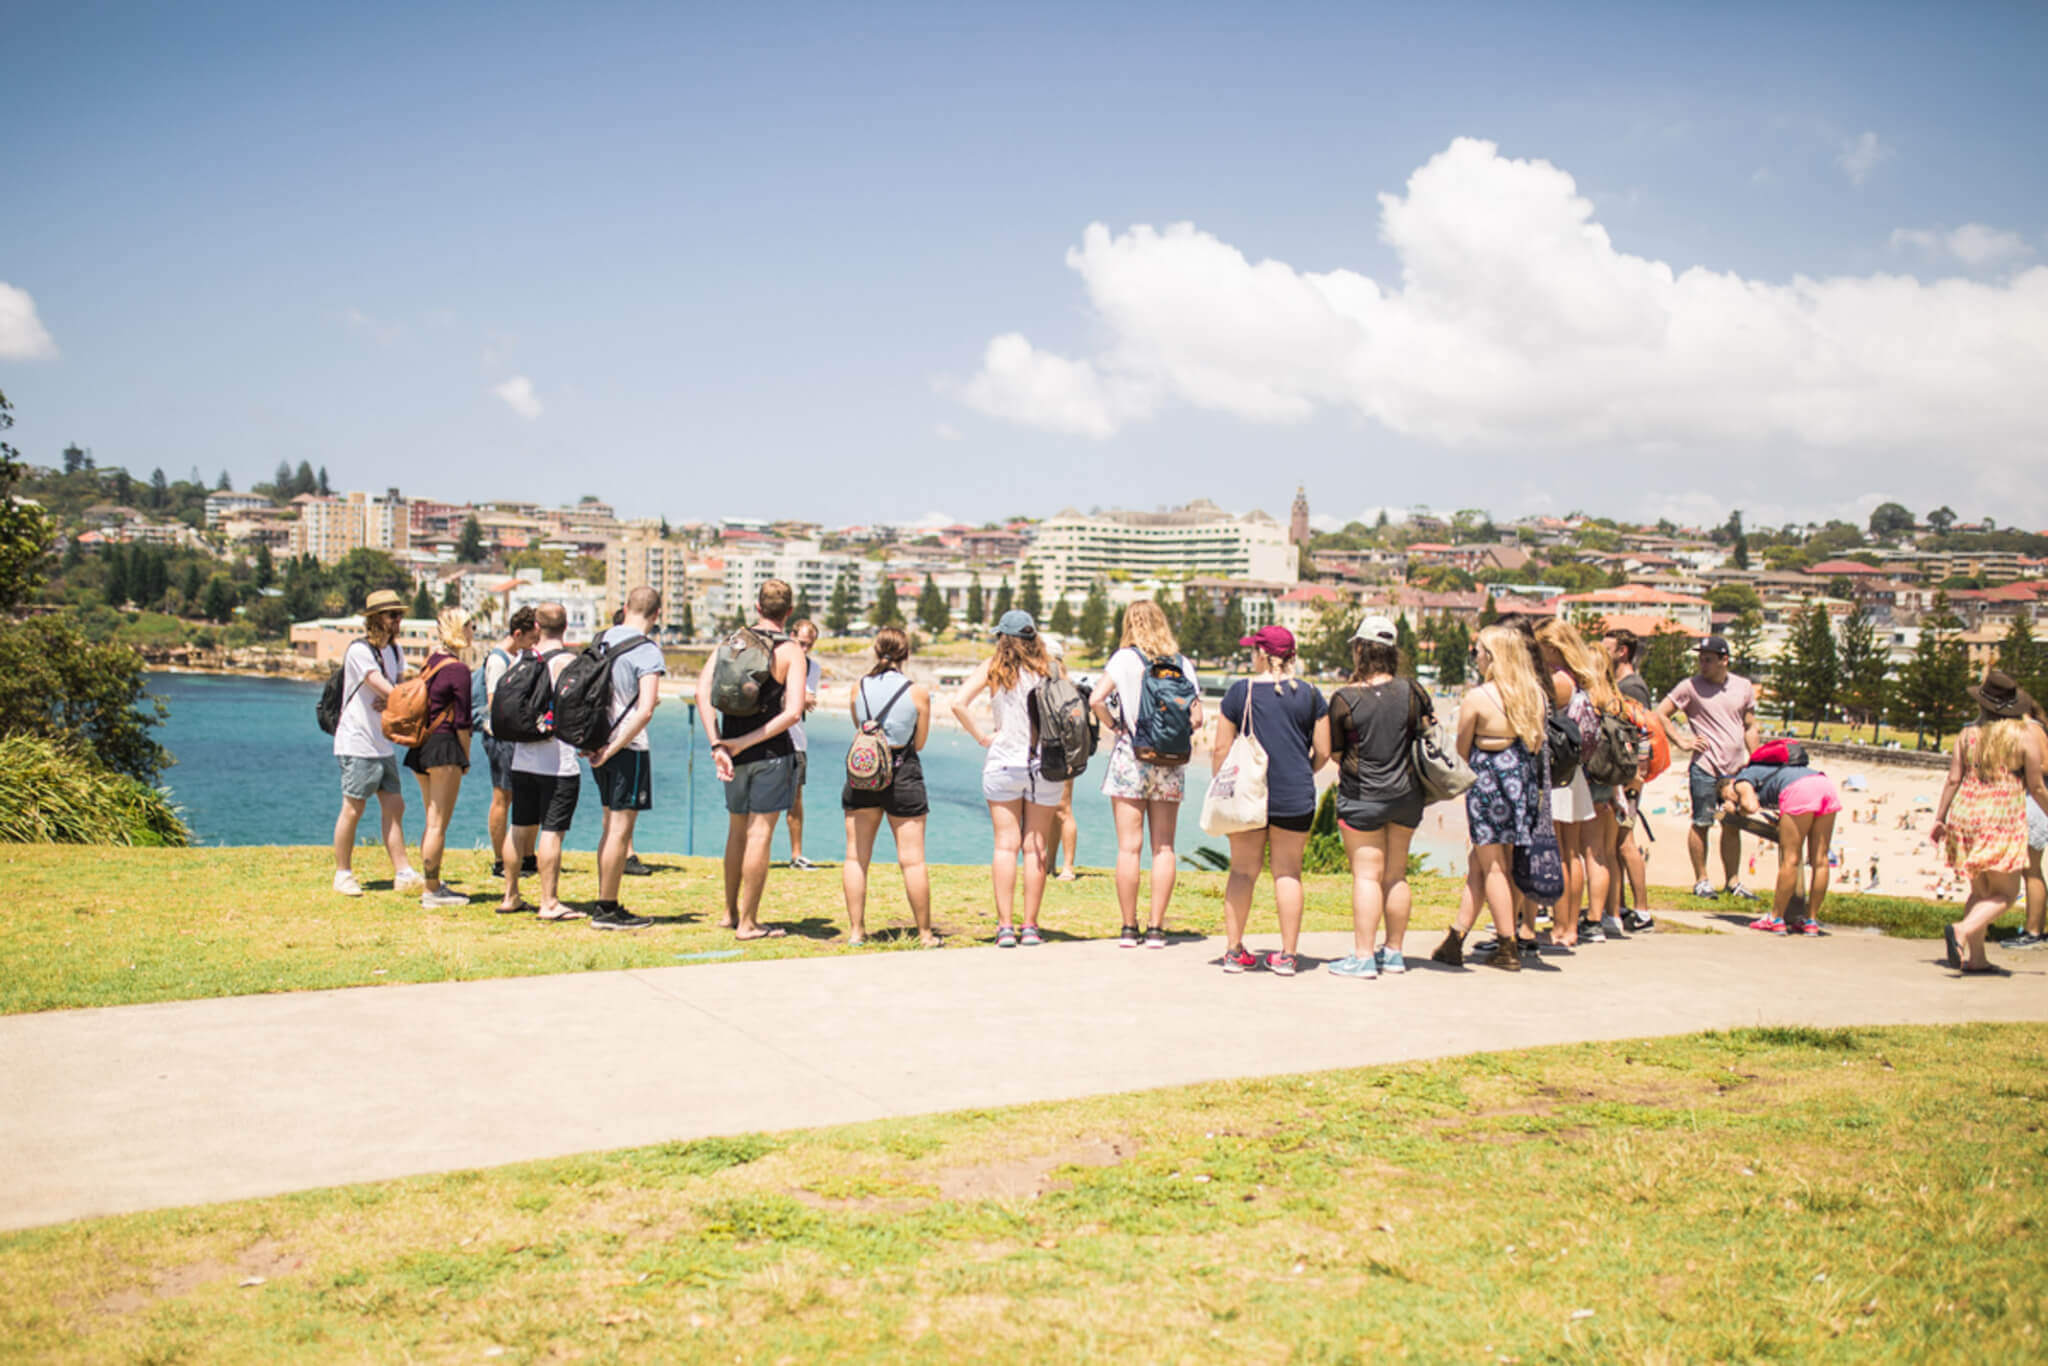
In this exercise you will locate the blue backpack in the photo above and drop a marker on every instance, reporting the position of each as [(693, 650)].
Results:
[(1164, 730), (479, 700)]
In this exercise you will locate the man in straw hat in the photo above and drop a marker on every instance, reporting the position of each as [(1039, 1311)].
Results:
[(369, 762)]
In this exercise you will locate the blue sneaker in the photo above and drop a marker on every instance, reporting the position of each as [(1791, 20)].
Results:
[(1390, 960), (1354, 966)]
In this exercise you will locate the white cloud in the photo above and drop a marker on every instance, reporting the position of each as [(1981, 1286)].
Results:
[(1516, 324), (519, 396), (1860, 155), (22, 334), (946, 431), (1974, 244)]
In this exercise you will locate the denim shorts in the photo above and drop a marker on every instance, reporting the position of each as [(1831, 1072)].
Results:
[(1706, 796), (499, 752), (364, 776)]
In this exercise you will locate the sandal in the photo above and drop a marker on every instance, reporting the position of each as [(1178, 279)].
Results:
[(563, 913), (1955, 949), (1988, 970)]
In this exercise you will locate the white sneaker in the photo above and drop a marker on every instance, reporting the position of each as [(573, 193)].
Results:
[(1704, 890), (345, 883), (1612, 925), (434, 901), (409, 881)]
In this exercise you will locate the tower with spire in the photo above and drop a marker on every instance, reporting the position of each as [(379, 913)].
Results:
[(1297, 525)]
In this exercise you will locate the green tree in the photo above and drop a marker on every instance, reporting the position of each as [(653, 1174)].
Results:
[(25, 530), (1941, 519), (843, 604), (1447, 578), (1889, 520), (1930, 689), (803, 611), (1094, 614), (1865, 668), (977, 605), (219, 599), (1664, 665), (1003, 597), (1028, 596), (932, 612), (159, 489), (192, 582), (451, 594), (75, 458), (1062, 623), (886, 612), (1453, 653), (1734, 597), (1231, 630), (1743, 633), (1114, 638), (226, 485), (362, 572), (266, 565), (1810, 674), (304, 481), (1404, 641), (1488, 613), (323, 488), (2019, 654), (422, 602), (1197, 633), (57, 683), (1326, 645), (689, 621), (469, 548)]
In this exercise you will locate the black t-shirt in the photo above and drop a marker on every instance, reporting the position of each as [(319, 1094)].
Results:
[(1373, 738)]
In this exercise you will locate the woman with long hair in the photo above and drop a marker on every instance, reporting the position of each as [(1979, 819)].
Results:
[(1142, 793), (1373, 721), (442, 756), (1290, 719), (1022, 801), (903, 711), (1806, 802), (1581, 685), (1500, 734), (1982, 817)]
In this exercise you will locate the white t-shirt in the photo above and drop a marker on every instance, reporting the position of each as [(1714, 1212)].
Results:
[(1126, 670), (1010, 746), (496, 664), (547, 756), (813, 676), (359, 734)]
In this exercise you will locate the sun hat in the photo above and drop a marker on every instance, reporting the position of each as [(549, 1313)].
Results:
[(1714, 645), (1376, 631), (1999, 695), (383, 600), (1276, 641), (1017, 622)]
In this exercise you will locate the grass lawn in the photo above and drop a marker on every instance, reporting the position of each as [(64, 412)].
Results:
[(103, 927), (1786, 1194)]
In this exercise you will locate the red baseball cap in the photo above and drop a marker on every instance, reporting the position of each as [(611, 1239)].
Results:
[(1276, 641)]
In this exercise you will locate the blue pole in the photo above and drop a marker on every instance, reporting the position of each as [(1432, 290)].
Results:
[(690, 836)]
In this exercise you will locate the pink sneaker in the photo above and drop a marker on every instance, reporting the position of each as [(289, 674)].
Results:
[(1769, 924)]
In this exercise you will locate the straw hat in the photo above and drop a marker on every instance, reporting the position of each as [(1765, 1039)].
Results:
[(383, 600)]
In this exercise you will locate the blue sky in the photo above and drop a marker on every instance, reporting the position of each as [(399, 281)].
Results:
[(750, 261)]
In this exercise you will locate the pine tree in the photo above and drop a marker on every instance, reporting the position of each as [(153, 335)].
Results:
[(218, 599), (304, 481), (1810, 675), (191, 583), (281, 482), (469, 549), (839, 611), (226, 485), (159, 488), (1171, 608), (114, 580), (2019, 654), (886, 612), (326, 490), (422, 602), (932, 612), (1865, 669), (1742, 638), (1094, 614), (1232, 629), (1664, 664), (1404, 641), (690, 621), (1930, 693), (1002, 597), (1114, 639), (1488, 613), (1197, 625), (1028, 596), (977, 607), (1453, 653), (1062, 623), (803, 611), (451, 595)]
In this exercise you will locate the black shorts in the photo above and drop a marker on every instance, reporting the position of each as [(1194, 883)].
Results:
[(904, 798), (545, 800), (442, 749), (1366, 814), (1297, 825), (627, 782), (499, 752)]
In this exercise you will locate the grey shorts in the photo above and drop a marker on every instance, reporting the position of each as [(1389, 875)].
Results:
[(766, 785), (363, 777), (499, 752)]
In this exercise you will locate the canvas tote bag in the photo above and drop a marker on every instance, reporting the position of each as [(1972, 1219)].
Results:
[(1236, 800)]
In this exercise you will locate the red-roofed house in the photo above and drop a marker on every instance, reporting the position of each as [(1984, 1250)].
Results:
[(1690, 612), (1856, 570), (1298, 608)]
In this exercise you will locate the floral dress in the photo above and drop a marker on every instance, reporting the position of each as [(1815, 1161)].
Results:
[(1987, 821), (1507, 800)]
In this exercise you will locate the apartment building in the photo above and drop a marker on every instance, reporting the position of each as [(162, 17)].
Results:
[(588, 609), (644, 559), (1073, 550), (225, 504), (329, 528), (809, 570)]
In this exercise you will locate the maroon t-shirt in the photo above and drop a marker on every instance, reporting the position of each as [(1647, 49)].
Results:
[(448, 691)]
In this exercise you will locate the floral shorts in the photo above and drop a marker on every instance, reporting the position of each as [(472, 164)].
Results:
[(1135, 780)]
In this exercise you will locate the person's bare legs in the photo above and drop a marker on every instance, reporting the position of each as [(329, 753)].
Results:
[(1598, 837), (1129, 815), (1696, 849), (1394, 893), (1607, 839), (507, 852), (861, 828), (796, 826), (1820, 835), (1731, 853), (1791, 840), (352, 813), (1991, 895), (2037, 894), (1367, 852), (1037, 857), (1163, 818), (759, 840), (1069, 834), (500, 819), (547, 856), (1632, 862), (1008, 820), (1247, 860), (1494, 886), (612, 847), (735, 867), (908, 832), (439, 786), (391, 823), (1287, 850), (1571, 844)]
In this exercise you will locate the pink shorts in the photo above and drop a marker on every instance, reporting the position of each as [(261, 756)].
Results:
[(1815, 796)]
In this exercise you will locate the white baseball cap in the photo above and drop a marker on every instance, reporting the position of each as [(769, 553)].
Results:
[(1376, 631)]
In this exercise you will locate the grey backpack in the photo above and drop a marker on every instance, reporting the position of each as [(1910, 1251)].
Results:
[(742, 668)]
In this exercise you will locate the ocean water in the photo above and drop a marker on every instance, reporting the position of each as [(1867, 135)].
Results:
[(253, 768)]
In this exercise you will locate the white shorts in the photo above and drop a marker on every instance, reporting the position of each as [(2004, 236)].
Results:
[(1570, 805), (1009, 784)]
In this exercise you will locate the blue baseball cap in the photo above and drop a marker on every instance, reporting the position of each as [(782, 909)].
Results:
[(1017, 622)]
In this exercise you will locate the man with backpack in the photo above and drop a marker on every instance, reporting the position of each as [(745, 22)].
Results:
[(370, 667), (621, 767), (519, 637), (754, 685), (1720, 734), (545, 781)]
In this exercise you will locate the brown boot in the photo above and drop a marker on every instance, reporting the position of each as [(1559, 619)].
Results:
[(1508, 956), (1451, 953)]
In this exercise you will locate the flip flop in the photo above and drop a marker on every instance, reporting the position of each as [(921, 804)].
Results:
[(521, 909), (566, 913), (1988, 970), (772, 932), (1955, 950)]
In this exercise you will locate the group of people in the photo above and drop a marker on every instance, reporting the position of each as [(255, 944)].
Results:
[(1565, 852)]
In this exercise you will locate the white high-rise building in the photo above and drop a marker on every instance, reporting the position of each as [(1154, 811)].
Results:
[(809, 571), (1073, 550)]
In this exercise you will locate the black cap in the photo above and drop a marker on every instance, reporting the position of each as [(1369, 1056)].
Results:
[(1714, 645)]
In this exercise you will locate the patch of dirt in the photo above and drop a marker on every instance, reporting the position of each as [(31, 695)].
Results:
[(1461, 1120), (163, 1285), (877, 1204), (268, 1258), (1024, 1178)]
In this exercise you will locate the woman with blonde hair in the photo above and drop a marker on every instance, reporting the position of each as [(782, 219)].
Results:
[(1982, 816), (1500, 734), (442, 756), (1581, 685), (902, 709), (1291, 721), (1143, 793), (1022, 801), (369, 767)]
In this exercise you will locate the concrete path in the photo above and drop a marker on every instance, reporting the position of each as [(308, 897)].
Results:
[(140, 1107)]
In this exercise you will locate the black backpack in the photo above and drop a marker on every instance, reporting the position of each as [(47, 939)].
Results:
[(327, 711), (1616, 751), (523, 707), (1059, 720), (583, 694), (1561, 741)]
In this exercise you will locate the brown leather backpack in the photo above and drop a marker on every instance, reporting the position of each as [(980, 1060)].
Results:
[(405, 710)]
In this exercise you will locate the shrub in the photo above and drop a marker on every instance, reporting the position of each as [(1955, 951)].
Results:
[(58, 684), (56, 793)]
